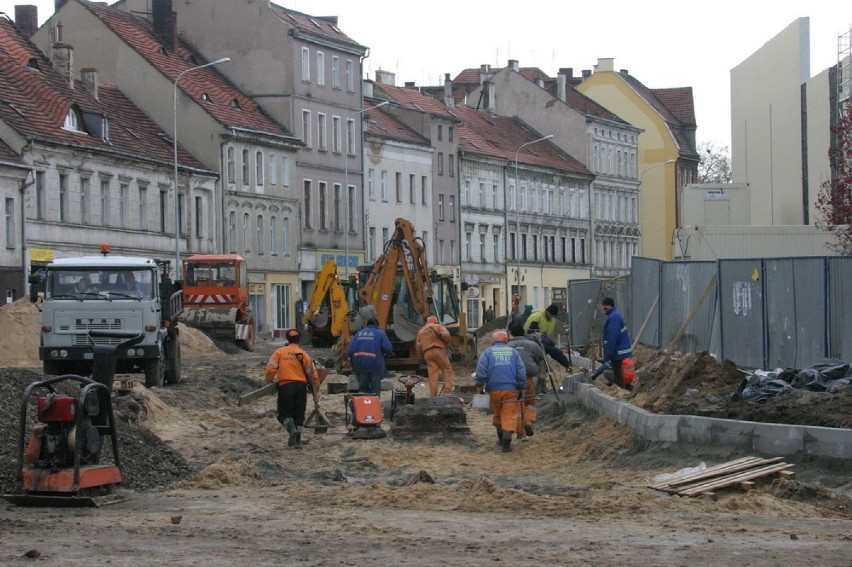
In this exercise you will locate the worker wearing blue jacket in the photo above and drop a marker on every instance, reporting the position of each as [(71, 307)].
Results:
[(502, 373), (367, 352), (616, 340)]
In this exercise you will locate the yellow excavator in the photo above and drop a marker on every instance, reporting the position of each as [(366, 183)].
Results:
[(327, 313)]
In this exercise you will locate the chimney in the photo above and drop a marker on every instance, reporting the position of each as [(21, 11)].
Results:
[(26, 18), (165, 23), (62, 57), (513, 64), (386, 78), (561, 85), (587, 73), (624, 71), (367, 89), (89, 78), (485, 73), (409, 84), (605, 64), (567, 71), (488, 102), (448, 91)]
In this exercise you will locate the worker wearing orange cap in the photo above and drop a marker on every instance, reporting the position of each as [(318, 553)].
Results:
[(432, 341), (291, 367), (501, 372)]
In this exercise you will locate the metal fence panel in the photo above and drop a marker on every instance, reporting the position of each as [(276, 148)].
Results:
[(742, 312), (840, 307), (795, 311), (644, 288), (582, 296), (688, 289)]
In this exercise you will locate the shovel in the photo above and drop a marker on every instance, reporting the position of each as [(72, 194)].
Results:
[(321, 421)]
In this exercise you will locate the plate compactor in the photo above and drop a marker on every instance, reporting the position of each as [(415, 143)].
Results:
[(60, 452), (364, 415)]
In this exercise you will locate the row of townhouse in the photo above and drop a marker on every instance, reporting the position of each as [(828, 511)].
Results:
[(305, 161)]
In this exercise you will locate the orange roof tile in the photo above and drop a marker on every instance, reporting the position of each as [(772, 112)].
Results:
[(382, 124)]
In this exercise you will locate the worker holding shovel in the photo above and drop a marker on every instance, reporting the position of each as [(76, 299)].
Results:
[(501, 372), (292, 367)]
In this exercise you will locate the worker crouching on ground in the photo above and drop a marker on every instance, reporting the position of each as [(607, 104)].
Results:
[(533, 356), (292, 367), (546, 323), (616, 341), (432, 340), (367, 351), (501, 372)]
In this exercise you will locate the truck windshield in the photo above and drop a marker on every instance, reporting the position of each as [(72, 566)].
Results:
[(86, 284), (219, 274)]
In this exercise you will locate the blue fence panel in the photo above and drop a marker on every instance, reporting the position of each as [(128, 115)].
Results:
[(796, 327), (644, 290), (741, 312)]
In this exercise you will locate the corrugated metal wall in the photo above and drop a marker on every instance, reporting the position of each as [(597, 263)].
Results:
[(758, 313)]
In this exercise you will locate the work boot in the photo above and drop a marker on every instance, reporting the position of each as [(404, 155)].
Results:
[(506, 441), (297, 444), (528, 429), (499, 434)]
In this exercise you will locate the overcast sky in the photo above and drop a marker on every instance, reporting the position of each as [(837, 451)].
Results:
[(663, 43)]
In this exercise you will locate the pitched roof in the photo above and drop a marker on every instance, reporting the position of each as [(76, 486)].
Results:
[(8, 156), (212, 91), (410, 97), (500, 137), (35, 100), (676, 107), (383, 125), (322, 26)]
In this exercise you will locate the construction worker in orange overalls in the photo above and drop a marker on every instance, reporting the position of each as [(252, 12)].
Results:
[(533, 356), (291, 367), (432, 340), (501, 372)]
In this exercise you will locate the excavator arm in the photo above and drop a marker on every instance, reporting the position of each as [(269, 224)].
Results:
[(327, 285)]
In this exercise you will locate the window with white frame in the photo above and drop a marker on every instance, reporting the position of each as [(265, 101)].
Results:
[(322, 205), (273, 235), (350, 208), (320, 68), (63, 197), (482, 257), (258, 168), (85, 201), (40, 195), (335, 72), (232, 173), (306, 64), (384, 186), (512, 204), (371, 184), (10, 222), (496, 249), (164, 208), (440, 163), (246, 232), (199, 217), (306, 128), (246, 179), (123, 203), (285, 232), (451, 165), (306, 203), (143, 206), (261, 234), (273, 170), (523, 199), (452, 206), (482, 195), (494, 199), (466, 199), (350, 76), (322, 132), (440, 207), (468, 252), (105, 202), (398, 179), (336, 218), (350, 136), (371, 244), (285, 171), (412, 189), (423, 192), (335, 134)]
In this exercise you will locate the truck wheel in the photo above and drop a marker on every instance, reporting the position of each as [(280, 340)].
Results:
[(155, 371), (173, 366)]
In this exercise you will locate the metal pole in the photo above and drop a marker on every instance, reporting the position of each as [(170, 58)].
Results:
[(346, 182), (175, 143), (518, 212)]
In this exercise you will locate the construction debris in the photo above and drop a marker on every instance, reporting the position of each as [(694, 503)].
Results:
[(740, 473)]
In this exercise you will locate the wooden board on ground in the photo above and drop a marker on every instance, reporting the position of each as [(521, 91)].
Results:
[(740, 472)]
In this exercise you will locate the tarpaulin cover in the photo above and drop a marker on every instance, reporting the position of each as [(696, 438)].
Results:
[(829, 375)]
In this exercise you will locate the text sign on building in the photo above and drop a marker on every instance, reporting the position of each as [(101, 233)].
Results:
[(713, 194), (42, 255), (257, 288), (340, 259)]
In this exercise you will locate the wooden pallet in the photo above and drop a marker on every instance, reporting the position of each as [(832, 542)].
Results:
[(740, 473)]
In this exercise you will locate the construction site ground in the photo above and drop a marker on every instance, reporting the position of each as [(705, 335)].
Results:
[(212, 483)]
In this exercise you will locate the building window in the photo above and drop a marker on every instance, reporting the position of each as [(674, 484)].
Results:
[(322, 133), (482, 195), (164, 208), (482, 247), (63, 197), (449, 133), (335, 134), (231, 166), (512, 248), (494, 203), (350, 76), (451, 165), (440, 207), (524, 247), (285, 171), (371, 184), (40, 195), (398, 179), (143, 207), (350, 208), (466, 199), (273, 235), (104, 202), (306, 199), (337, 189), (564, 248), (440, 251), (335, 72), (323, 203), (452, 208), (496, 251), (258, 168), (246, 174), (535, 247), (10, 222), (440, 133), (180, 213), (468, 253), (350, 137), (321, 68), (371, 245), (384, 187), (423, 190), (582, 250), (84, 200), (440, 163), (412, 189), (261, 234), (285, 232), (306, 128), (273, 170), (199, 217), (123, 196), (306, 64), (246, 232)]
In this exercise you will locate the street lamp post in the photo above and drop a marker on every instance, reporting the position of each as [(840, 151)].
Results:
[(174, 140), (346, 181), (518, 224)]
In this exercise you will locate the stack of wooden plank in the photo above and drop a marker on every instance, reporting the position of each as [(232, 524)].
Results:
[(740, 473)]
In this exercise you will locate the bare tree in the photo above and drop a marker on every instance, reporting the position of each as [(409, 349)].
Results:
[(715, 164), (834, 203)]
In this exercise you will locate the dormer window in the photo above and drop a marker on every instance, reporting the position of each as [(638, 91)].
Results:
[(235, 103), (33, 64), (72, 120), (206, 98)]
